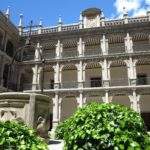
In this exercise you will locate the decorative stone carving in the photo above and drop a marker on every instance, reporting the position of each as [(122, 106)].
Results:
[(30, 108)]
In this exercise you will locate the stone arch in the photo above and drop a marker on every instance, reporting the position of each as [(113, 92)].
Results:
[(69, 76), (93, 74), (10, 48), (118, 73), (68, 107)]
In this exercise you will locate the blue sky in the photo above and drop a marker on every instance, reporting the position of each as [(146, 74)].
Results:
[(49, 10)]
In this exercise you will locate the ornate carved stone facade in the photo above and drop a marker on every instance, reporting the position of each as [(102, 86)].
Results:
[(94, 59)]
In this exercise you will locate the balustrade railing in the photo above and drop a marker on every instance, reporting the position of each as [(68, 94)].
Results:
[(87, 84), (67, 84), (116, 49), (143, 47), (119, 82), (50, 55), (93, 52), (69, 54)]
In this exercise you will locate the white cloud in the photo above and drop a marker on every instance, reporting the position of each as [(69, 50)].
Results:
[(147, 2), (133, 7)]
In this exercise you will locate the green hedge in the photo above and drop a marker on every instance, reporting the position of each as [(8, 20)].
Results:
[(104, 127), (17, 136)]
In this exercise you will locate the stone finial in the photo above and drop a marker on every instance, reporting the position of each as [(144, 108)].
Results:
[(81, 17), (59, 20), (41, 22), (8, 12), (102, 15), (20, 21), (125, 12)]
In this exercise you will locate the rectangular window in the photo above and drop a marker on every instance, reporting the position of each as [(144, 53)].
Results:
[(96, 82), (141, 79)]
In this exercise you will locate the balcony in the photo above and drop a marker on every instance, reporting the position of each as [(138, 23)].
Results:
[(113, 49)]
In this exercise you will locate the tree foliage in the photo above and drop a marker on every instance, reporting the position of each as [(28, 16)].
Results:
[(17, 136), (103, 126)]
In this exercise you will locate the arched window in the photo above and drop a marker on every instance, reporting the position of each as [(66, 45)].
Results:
[(9, 49)]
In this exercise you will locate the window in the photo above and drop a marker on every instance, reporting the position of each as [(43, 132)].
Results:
[(96, 82), (141, 79)]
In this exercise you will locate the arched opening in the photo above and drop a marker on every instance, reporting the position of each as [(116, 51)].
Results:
[(5, 75), (118, 73), (48, 77), (145, 109), (121, 99), (69, 76), (143, 72), (93, 75), (68, 107), (10, 49)]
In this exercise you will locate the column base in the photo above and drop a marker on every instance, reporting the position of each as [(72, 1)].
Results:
[(106, 83), (52, 132), (132, 82), (56, 85)]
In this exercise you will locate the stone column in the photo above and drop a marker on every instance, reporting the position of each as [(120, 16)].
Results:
[(134, 99), (57, 76), (107, 98), (105, 72), (38, 52), (80, 74), (81, 47), (55, 114), (80, 21), (104, 45), (59, 49), (20, 25), (36, 77), (80, 99), (40, 27), (128, 44), (131, 69)]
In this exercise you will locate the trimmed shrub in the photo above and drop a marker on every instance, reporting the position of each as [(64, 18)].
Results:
[(103, 127), (17, 136)]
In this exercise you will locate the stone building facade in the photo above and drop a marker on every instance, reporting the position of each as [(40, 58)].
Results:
[(93, 60)]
